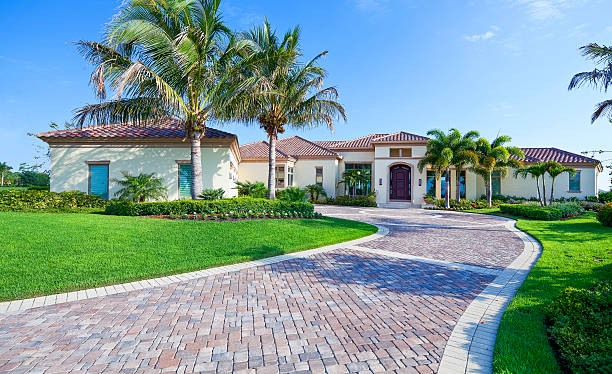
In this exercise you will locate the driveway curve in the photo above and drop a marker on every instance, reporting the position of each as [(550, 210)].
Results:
[(405, 301)]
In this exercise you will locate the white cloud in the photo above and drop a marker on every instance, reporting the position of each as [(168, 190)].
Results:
[(542, 10), (370, 5), (484, 36)]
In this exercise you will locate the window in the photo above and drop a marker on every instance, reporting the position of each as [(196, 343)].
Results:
[(400, 152), (184, 181), (462, 184), (431, 183), (98, 180), (361, 188), (496, 183), (319, 177), (574, 182), (280, 177), (443, 185), (290, 177)]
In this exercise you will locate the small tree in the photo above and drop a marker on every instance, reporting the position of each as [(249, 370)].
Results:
[(535, 171), (4, 169), (252, 189), (140, 188), (354, 177), (554, 169), (315, 192)]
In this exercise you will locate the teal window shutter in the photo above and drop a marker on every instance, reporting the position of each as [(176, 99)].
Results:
[(185, 181), (98, 180)]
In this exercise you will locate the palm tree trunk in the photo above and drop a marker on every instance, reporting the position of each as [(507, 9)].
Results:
[(458, 184), (538, 186), (489, 197), (552, 191), (447, 192), (196, 166), (272, 168), (2, 184), (543, 190)]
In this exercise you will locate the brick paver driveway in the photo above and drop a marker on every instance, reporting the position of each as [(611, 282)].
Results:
[(389, 304)]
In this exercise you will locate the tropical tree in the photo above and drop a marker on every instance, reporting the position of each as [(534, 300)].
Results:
[(554, 169), (496, 157), (283, 91), (4, 169), (445, 150), (353, 178), (165, 60), (535, 171), (252, 189), (599, 78), (141, 188), (315, 192), (464, 155)]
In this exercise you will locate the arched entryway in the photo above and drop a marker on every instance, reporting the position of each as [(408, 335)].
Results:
[(400, 183)]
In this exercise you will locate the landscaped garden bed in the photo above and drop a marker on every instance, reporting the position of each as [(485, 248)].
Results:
[(553, 212), (240, 216)]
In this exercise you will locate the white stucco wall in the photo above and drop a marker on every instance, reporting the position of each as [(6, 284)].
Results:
[(70, 171), (305, 173)]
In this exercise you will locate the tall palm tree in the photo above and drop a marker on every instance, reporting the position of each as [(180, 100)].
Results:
[(464, 155), (439, 156), (535, 171), (4, 168), (554, 169), (283, 91), (495, 156), (170, 59), (599, 78)]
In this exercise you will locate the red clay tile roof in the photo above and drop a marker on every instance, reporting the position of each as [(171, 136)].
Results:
[(259, 150), (164, 130), (555, 154), (364, 142), (400, 136)]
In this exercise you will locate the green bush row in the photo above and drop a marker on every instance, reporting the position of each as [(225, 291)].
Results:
[(580, 323), (467, 204), (548, 213), (605, 215), (363, 201), (33, 200), (605, 197), (239, 204)]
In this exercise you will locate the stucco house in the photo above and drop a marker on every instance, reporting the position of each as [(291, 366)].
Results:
[(88, 159)]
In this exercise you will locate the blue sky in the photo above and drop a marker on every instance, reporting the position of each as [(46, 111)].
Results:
[(499, 66)]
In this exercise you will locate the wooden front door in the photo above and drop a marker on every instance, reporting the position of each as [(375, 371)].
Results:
[(400, 183)]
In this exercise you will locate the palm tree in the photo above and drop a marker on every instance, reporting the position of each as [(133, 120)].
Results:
[(353, 178), (283, 91), (439, 156), (4, 168), (495, 156), (535, 171), (315, 192), (141, 188), (554, 169), (170, 59), (599, 78), (463, 155)]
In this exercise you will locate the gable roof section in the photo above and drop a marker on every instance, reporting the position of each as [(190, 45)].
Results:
[(167, 129), (401, 137), (363, 142), (259, 150), (292, 147), (555, 154)]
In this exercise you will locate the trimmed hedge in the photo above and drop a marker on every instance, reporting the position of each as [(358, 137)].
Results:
[(605, 215), (581, 325), (36, 200), (466, 204), (239, 204), (363, 201), (605, 197), (548, 213)]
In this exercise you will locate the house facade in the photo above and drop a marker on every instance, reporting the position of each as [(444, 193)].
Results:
[(89, 159)]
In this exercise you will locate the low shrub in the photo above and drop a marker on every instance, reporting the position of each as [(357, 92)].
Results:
[(605, 215), (292, 194), (591, 199), (592, 206), (40, 200), (605, 197), (239, 204), (509, 198), (466, 204), (38, 188), (544, 213), (212, 194), (363, 201), (580, 323), (252, 189)]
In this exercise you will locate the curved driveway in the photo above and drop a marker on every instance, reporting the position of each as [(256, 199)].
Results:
[(387, 303)]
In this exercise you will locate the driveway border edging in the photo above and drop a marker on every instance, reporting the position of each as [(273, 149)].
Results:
[(15, 306), (470, 347)]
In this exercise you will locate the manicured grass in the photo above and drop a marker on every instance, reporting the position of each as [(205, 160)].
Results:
[(42, 253), (576, 252), (13, 188)]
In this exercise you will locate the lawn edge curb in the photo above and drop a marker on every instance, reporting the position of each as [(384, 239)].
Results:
[(470, 347), (16, 306)]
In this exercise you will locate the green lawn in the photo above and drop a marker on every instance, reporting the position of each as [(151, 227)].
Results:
[(44, 253), (576, 252)]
